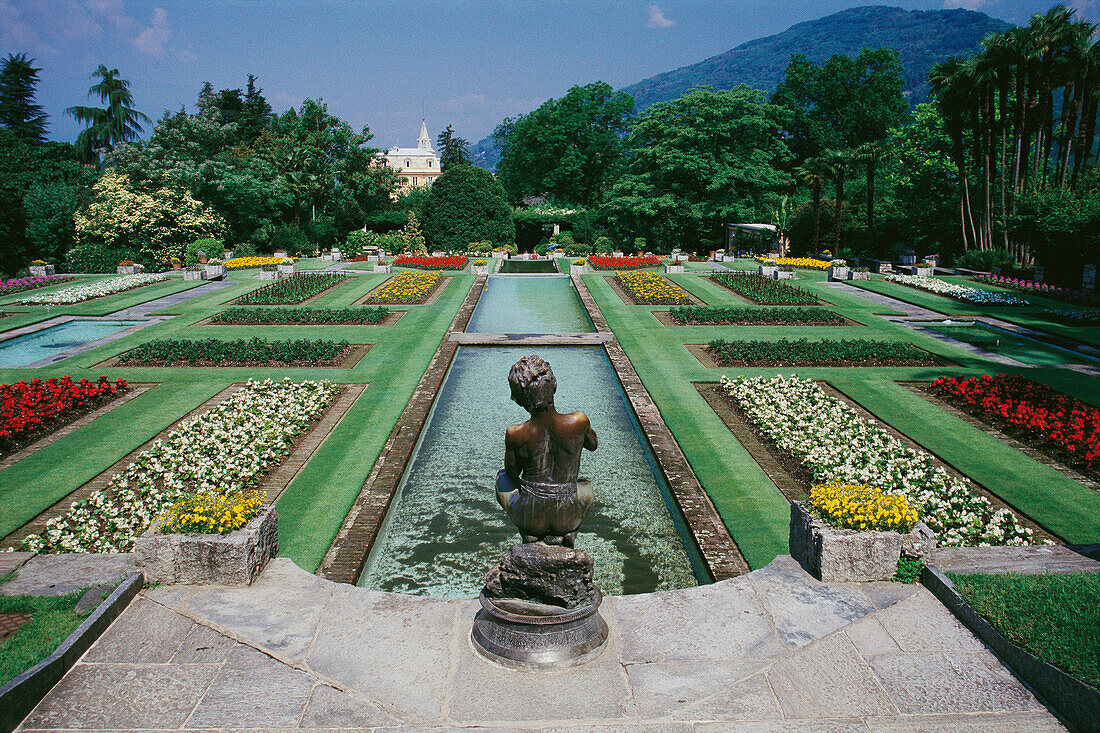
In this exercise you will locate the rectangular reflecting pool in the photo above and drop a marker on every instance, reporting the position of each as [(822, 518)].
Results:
[(1006, 343), (445, 528), (529, 305), (55, 340)]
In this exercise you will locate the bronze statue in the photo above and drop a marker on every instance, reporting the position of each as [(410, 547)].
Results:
[(538, 486)]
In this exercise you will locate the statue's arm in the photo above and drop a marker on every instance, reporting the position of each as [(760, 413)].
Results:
[(511, 462), (591, 442)]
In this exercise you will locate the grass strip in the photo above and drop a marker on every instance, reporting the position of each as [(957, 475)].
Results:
[(1054, 616), (53, 620)]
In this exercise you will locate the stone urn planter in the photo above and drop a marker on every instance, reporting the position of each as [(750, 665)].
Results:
[(768, 270), (674, 268), (856, 275), (383, 268), (680, 256), (784, 275), (198, 274), (922, 271), (838, 273), (223, 559), (719, 256), (286, 270), (279, 253), (215, 272), (499, 255), (227, 254), (885, 268), (845, 555), (332, 257), (177, 266), (130, 269), (42, 270), (480, 269), (577, 269)]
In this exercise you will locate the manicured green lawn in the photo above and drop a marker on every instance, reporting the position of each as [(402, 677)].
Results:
[(53, 620), (753, 510), (1054, 616)]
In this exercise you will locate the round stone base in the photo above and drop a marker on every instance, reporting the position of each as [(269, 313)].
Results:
[(520, 638)]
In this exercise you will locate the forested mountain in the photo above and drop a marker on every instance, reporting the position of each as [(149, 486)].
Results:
[(921, 37)]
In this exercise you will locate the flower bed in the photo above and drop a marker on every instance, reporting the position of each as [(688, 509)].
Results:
[(22, 284), (806, 263), (28, 409), (648, 288), (830, 440), (405, 287), (300, 316), (212, 512), (1057, 421), (423, 262), (239, 352), (764, 290), (601, 262), (844, 352), (733, 315), (846, 505), (956, 291), (1044, 289), (87, 291), (292, 289), (226, 449), (244, 263), (1074, 317)]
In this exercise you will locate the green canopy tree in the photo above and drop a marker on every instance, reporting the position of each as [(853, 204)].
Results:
[(568, 148), (453, 150), (18, 110), (466, 204), (108, 126), (696, 162)]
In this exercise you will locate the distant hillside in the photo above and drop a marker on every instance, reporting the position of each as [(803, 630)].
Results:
[(921, 37)]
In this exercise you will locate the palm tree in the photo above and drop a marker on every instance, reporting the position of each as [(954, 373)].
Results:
[(118, 122), (838, 163), (814, 172), (947, 79), (870, 154)]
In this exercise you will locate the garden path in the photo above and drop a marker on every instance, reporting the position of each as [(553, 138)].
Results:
[(771, 650), (143, 310)]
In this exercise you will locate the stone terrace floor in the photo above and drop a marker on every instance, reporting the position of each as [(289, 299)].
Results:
[(773, 650)]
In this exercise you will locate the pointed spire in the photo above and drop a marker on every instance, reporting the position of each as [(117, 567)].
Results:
[(424, 142)]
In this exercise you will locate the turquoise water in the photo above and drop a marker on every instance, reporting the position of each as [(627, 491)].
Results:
[(445, 528), (32, 347), (1006, 343), (529, 305)]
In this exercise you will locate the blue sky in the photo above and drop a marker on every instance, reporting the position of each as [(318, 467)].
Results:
[(385, 64)]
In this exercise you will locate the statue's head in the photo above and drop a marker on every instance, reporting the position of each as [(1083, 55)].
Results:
[(533, 384)]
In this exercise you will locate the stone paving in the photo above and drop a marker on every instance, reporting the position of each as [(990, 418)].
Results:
[(773, 650)]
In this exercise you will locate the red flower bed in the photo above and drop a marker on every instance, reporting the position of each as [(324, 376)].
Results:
[(601, 262), (1059, 421), (446, 262), (28, 407)]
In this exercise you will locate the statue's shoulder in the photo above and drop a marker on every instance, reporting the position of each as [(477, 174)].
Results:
[(578, 418)]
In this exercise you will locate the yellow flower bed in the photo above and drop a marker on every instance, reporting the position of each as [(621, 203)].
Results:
[(240, 263), (804, 262), (649, 288), (406, 287), (857, 506), (212, 513)]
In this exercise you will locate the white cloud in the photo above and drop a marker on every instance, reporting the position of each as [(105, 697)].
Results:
[(657, 18), (152, 37)]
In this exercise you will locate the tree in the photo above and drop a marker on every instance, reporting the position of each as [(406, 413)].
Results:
[(839, 164), (18, 110), (413, 237), (813, 172), (256, 113), (116, 123), (870, 155), (452, 150), (466, 204), (156, 226), (568, 148), (697, 162)]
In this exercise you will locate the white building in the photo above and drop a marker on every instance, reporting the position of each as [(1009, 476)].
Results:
[(417, 166)]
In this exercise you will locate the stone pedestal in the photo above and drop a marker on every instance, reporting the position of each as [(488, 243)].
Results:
[(784, 275), (908, 259), (837, 274), (215, 272), (855, 275), (286, 270), (767, 270), (130, 269), (577, 269), (42, 270), (921, 271), (194, 274), (480, 269), (674, 268), (383, 268)]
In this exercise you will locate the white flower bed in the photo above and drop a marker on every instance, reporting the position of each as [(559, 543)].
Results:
[(953, 290), (224, 449), (77, 293), (831, 439)]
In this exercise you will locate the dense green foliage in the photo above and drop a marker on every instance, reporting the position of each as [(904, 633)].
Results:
[(1055, 616), (697, 162), (754, 316), (794, 352), (466, 204), (764, 290), (453, 150), (569, 148), (301, 316), (18, 110), (293, 289), (254, 351)]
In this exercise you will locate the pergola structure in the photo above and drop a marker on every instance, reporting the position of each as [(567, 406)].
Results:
[(733, 229)]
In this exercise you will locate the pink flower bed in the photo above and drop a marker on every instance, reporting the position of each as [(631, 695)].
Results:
[(20, 284), (1044, 289)]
